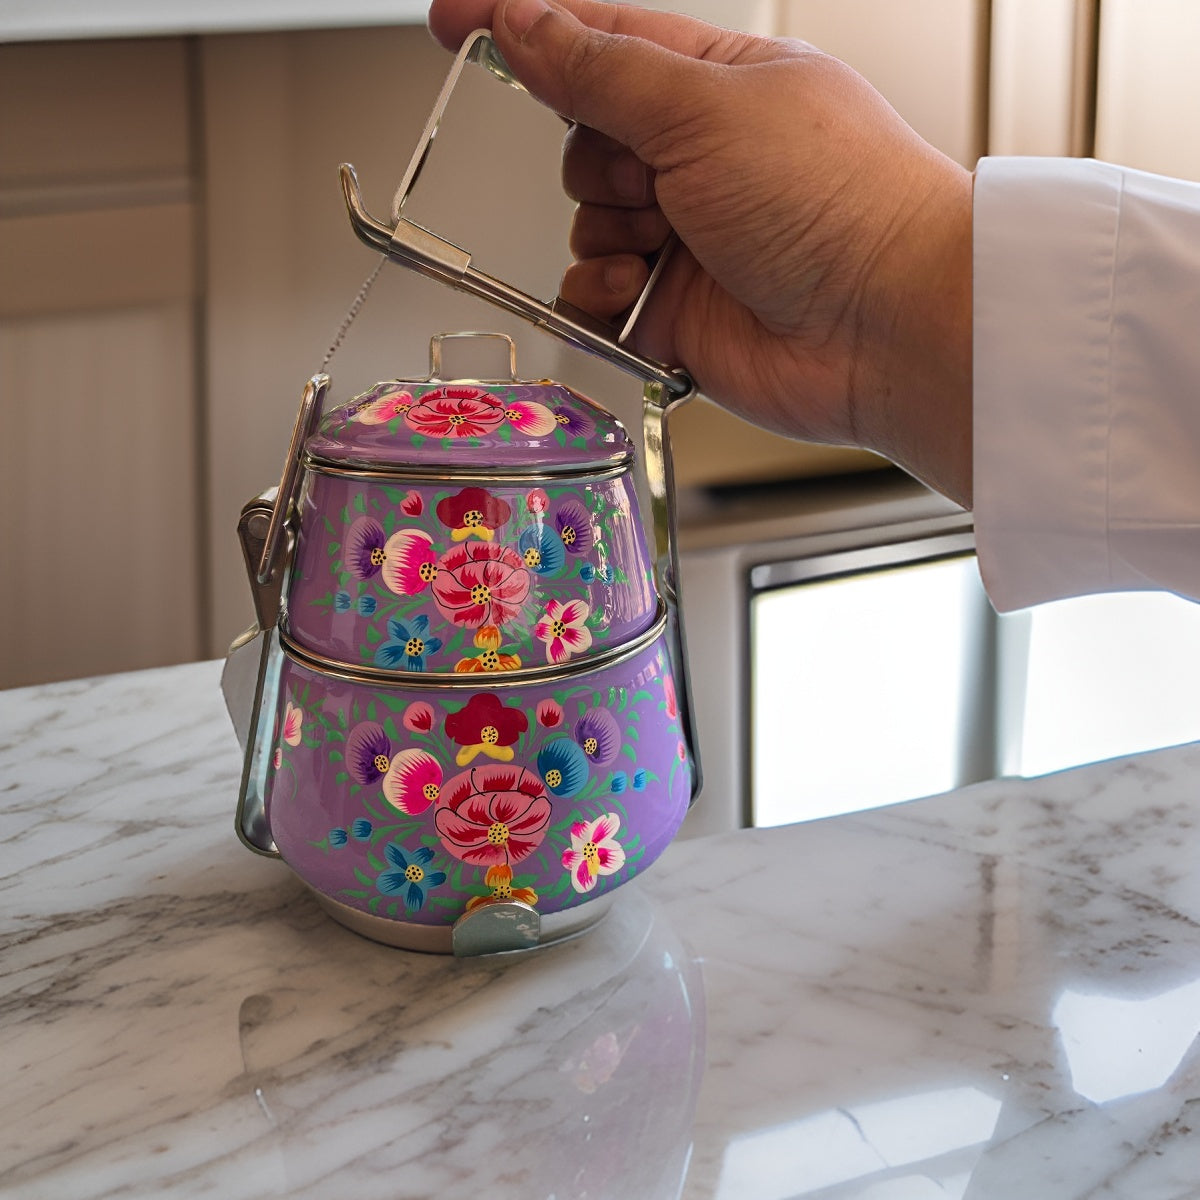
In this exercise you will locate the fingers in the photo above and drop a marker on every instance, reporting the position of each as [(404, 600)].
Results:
[(604, 286), (598, 231), (632, 88), (598, 170), (450, 21)]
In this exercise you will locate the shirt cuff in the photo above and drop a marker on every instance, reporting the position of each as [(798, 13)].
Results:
[(1045, 236)]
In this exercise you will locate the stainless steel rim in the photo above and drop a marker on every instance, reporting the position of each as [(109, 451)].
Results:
[(490, 681), (595, 472), (437, 939)]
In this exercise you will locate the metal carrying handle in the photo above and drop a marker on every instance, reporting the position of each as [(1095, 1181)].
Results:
[(427, 253)]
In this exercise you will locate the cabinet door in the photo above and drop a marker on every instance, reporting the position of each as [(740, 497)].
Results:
[(98, 547), (1148, 88)]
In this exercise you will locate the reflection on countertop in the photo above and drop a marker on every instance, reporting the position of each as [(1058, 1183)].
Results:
[(983, 996)]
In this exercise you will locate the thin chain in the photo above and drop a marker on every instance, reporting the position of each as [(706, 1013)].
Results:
[(355, 306)]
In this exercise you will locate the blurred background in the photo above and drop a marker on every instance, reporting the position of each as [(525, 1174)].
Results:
[(175, 261)]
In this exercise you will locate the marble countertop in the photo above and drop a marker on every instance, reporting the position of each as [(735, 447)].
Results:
[(989, 995)]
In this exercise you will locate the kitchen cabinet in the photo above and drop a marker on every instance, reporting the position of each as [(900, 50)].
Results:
[(99, 547)]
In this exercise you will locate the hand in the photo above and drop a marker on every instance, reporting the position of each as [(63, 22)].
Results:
[(823, 284)]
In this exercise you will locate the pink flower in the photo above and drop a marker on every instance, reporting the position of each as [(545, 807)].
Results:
[(480, 583), (384, 408), (530, 418), (563, 630), (418, 717), (538, 501), (413, 781), (549, 713), (277, 758), (459, 412), (409, 562), (293, 724), (669, 693), (594, 851), (492, 815), (412, 505)]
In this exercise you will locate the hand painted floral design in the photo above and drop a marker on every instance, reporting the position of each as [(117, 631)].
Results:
[(549, 713), (368, 753), (363, 552), (563, 766), (293, 724), (573, 422), (598, 733), (408, 877), (487, 640), (418, 717), (383, 408), (492, 815), (588, 572), (480, 584), (530, 418), (408, 644), (409, 562), (485, 725), (574, 525), (537, 501), (541, 550), (671, 700), (594, 851), (473, 512), (413, 781), (563, 630), (500, 880), (412, 505), (455, 412)]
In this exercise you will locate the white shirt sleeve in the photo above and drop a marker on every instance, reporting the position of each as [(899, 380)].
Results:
[(1086, 379)]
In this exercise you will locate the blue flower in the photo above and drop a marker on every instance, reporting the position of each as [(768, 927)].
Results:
[(367, 604), (342, 602), (337, 837), (587, 572), (361, 828), (563, 765), (607, 573), (542, 550), (619, 781), (639, 780), (407, 645), (409, 877)]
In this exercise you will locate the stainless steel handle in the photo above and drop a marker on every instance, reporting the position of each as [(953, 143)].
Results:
[(424, 251)]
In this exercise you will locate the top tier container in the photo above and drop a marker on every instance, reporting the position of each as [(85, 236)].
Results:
[(467, 527)]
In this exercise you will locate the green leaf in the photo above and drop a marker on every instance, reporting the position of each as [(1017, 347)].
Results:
[(395, 495), (363, 877), (341, 777), (360, 502), (629, 753)]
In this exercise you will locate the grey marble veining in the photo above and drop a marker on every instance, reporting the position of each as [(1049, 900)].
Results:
[(989, 995)]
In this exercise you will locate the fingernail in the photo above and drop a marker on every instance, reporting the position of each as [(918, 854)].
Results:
[(618, 276), (522, 15)]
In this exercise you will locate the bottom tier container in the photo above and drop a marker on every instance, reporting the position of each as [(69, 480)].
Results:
[(500, 812)]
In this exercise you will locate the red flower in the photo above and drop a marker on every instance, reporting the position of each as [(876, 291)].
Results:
[(486, 725), (455, 412), (479, 584), (492, 815), (418, 717), (549, 713), (473, 511), (412, 505)]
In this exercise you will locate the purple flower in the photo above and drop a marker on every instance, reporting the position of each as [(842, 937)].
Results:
[(574, 526), (368, 753), (573, 422), (599, 734), (363, 552)]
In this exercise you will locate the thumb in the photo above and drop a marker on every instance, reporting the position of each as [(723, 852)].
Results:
[(628, 87)]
